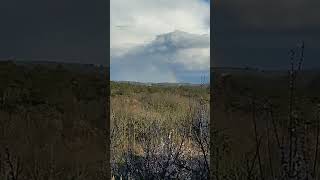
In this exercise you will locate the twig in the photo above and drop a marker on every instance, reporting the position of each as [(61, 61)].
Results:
[(269, 150), (256, 136), (255, 157), (317, 145)]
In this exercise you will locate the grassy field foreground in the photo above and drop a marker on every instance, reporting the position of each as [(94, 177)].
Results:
[(159, 131)]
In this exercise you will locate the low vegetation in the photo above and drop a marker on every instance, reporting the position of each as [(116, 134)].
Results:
[(159, 132), (52, 122), (271, 120)]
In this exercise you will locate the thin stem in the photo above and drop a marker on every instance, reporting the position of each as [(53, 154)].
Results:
[(291, 111), (274, 126), (256, 136), (317, 145), (269, 150), (254, 158)]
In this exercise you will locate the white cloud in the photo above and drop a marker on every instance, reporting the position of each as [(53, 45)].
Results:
[(163, 59), (194, 58), (156, 40), (138, 21)]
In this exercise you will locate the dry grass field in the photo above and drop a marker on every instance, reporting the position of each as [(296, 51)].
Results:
[(159, 132)]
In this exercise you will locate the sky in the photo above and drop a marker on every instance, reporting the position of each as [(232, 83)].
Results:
[(261, 33), (60, 30), (159, 40)]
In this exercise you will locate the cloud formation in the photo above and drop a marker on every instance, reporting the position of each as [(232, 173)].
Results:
[(157, 41), (167, 58), (135, 22)]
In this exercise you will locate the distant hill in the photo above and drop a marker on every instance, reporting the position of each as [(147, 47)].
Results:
[(162, 84), (73, 67), (260, 72), (250, 69)]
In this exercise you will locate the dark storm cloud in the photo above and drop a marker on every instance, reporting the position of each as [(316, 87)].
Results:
[(60, 29), (260, 33)]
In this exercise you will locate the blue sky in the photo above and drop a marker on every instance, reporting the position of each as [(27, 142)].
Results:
[(160, 40)]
